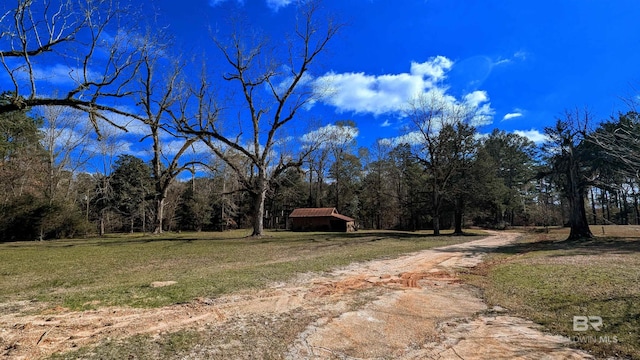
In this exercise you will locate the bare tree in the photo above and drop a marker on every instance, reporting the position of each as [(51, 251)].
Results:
[(81, 46), (164, 101), (106, 151), (620, 141), (272, 93), (317, 161), (341, 140), (444, 140), (337, 140), (65, 140)]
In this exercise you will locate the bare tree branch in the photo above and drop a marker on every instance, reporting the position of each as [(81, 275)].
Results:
[(252, 69), (40, 37)]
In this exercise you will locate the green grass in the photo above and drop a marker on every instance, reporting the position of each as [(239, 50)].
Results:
[(118, 270), (550, 281), (138, 347), (255, 337)]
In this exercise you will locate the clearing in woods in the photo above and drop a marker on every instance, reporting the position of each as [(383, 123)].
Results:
[(411, 307)]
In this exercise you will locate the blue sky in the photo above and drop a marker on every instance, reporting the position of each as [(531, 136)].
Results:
[(519, 63), (522, 62)]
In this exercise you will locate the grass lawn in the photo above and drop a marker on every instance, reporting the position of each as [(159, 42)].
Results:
[(550, 281), (119, 269)]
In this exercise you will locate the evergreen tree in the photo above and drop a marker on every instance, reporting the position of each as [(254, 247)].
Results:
[(131, 185), (514, 162)]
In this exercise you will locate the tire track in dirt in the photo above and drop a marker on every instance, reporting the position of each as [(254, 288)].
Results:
[(421, 310), (431, 315)]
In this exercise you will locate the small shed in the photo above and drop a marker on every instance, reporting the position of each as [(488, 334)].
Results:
[(320, 219)]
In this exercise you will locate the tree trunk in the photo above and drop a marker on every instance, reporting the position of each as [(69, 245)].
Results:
[(101, 224), (577, 213), (159, 215), (258, 216), (578, 219), (436, 211), (338, 207), (625, 208), (258, 206), (458, 216), (593, 209), (436, 225), (605, 206), (635, 207), (310, 201), (144, 218)]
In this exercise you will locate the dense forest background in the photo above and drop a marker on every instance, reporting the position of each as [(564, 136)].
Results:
[(495, 180), (222, 151)]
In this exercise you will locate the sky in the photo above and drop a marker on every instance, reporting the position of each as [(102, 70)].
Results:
[(521, 63)]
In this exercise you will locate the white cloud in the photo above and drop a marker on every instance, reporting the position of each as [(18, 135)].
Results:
[(476, 98), (480, 137), (512, 115), (274, 5), (483, 115), (284, 84), (473, 109), (521, 55), (361, 93), (410, 138), (502, 62), (65, 138), (218, 2), (533, 135), (59, 74), (197, 148), (133, 126), (381, 94), (331, 134), (517, 56), (110, 147), (435, 68), (391, 93), (386, 123), (478, 103)]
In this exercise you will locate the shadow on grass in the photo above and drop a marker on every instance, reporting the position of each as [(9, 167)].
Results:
[(365, 235), (94, 241), (281, 237), (594, 246)]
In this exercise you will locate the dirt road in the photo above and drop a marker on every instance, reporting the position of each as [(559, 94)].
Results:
[(412, 307)]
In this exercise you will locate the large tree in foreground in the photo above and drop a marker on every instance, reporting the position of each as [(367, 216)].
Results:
[(570, 160), (80, 48), (273, 86)]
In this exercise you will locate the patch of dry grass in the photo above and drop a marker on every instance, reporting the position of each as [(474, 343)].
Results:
[(549, 280), (118, 270)]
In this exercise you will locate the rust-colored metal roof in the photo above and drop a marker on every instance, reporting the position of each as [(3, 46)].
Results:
[(318, 212), (343, 217), (313, 212)]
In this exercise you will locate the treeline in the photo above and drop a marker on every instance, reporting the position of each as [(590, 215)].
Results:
[(123, 73), (446, 179)]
